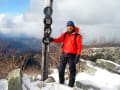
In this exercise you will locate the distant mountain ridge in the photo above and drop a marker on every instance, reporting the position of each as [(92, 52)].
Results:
[(19, 45)]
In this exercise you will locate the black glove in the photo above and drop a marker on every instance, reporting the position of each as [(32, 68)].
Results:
[(50, 39), (77, 57)]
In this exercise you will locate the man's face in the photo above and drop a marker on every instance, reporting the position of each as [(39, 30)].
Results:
[(70, 28)]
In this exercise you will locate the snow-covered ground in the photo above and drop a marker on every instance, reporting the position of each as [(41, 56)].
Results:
[(3, 84), (102, 79)]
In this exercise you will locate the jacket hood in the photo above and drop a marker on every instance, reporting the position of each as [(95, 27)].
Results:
[(76, 29)]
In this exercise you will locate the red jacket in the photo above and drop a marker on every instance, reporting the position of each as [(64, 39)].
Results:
[(69, 43)]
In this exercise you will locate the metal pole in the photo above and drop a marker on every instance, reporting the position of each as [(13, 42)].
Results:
[(47, 32)]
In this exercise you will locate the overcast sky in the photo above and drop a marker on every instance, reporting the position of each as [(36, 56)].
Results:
[(97, 19)]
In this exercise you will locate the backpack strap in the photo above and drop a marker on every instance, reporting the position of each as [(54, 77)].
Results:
[(64, 38), (76, 39)]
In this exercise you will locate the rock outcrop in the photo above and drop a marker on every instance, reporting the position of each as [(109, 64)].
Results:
[(107, 53), (109, 65), (86, 66), (15, 80)]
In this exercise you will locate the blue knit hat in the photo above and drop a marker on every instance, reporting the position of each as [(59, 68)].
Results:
[(70, 23)]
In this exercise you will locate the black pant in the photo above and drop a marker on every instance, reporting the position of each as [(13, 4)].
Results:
[(72, 69)]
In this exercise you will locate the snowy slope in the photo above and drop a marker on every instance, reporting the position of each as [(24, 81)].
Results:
[(102, 79)]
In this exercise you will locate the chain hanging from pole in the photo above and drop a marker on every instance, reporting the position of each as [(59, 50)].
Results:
[(47, 31)]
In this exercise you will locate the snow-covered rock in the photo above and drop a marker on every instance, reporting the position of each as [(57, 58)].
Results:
[(41, 85), (57, 86), (87, 67), (15, 80), (100, 78), (109, 65), (49, 80), (28, 84), (85, 87), (55, 75), (35, 77)]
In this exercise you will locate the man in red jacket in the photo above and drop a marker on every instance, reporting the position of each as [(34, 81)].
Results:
[(71, 50)]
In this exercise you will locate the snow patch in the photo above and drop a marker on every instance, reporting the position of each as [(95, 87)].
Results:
[(102, 79), (3, 84), (30, 84), (55, 75)]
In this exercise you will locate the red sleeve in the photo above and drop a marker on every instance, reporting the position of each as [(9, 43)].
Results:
[(79, 44), (59, 40)]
